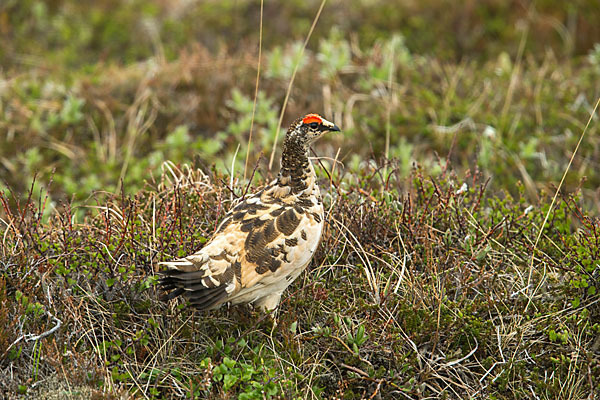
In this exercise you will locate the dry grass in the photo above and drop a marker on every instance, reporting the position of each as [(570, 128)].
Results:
[(422, 294)]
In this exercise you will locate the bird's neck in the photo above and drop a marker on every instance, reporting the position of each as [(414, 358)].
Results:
[(296, 171)]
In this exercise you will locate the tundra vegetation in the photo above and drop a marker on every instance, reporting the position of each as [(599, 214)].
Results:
[(455, 263)]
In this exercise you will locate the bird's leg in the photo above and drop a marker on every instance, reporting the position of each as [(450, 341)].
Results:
[(269, 302), (268, 305)]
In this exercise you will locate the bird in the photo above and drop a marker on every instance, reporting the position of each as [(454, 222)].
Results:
[(265, 242)]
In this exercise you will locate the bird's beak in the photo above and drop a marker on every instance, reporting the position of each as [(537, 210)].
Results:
[(330, 126)]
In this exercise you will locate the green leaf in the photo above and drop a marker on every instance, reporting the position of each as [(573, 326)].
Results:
[(229, 362), (229, 381), (360, 335)]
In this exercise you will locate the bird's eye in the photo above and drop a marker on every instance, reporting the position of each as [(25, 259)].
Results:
[(314, 125)]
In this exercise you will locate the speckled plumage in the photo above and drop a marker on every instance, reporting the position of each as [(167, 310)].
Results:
[(264, 242)]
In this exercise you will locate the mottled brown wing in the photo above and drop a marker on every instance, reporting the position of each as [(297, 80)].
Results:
[(269, 268), (257, 244), (208, 277)]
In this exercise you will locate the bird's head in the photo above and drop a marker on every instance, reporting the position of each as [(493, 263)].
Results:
[(305, 131)]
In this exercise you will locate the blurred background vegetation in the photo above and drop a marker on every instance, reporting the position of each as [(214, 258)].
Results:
[(98, 94)]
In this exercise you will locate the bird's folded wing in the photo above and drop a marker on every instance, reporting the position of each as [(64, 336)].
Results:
[(257, 244)]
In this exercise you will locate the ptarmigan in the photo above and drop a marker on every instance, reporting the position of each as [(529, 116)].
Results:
[(264, 242)]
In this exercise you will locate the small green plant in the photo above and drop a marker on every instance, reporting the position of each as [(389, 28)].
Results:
[(282, 61), (334, 54), (357, 339), (594, 56)]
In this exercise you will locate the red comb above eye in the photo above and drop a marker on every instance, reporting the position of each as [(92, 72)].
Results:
[(310, 118)]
